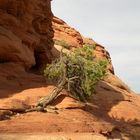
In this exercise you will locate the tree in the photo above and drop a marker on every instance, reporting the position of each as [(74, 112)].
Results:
[(77, 72)]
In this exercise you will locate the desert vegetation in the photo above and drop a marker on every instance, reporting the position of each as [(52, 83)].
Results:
[(76, 72)]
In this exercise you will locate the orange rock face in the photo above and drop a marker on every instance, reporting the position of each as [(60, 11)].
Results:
[(25, 31), (28, 31), (63, 32)]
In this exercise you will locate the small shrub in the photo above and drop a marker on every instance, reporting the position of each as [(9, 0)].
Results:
[(93, 46), (80, 71)]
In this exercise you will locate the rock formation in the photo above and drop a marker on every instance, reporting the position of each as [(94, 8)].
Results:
[(28, 31), (25, 31)]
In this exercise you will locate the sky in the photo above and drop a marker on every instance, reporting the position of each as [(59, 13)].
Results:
[(114, 24)]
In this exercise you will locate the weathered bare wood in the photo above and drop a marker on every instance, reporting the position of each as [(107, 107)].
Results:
[(48, 99)]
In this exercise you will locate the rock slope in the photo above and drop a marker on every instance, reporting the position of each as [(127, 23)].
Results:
[(28, 36)]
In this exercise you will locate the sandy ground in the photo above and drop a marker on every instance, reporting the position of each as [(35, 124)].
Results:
[(52, 136)]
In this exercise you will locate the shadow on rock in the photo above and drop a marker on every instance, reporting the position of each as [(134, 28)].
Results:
[(26, 39), (107, 104)]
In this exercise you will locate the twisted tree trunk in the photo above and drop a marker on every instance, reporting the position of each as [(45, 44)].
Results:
[(48, 99), (43, 102)]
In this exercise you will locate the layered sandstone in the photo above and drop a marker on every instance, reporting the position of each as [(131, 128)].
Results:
[(25, 31), (63, 32), (28, 31)]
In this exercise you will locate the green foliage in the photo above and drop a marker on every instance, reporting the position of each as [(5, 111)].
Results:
[(90, 46), (81, 70), (62, 43)]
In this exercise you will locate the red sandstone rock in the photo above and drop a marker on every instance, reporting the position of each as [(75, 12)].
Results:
[(27, 31), (63, 32)]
